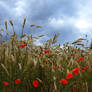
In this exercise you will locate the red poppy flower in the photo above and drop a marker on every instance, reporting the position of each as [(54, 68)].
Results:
[(40, 56), (17, 81), (63, 81), (35, 83), (54, 67), (80, 59), (69, 76), (74, 55), (5, 83), (75, 71), (86, 67), (21, 46), (47, 51), (82, 70), (58, 83), (75, 90)]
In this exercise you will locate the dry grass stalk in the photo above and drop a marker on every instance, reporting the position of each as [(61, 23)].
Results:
[(24, 23), (6, 25), (10, 21)]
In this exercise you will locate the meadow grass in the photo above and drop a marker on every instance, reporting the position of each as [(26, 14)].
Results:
[(25, 67)]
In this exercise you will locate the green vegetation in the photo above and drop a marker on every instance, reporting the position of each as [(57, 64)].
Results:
[(25, 67)]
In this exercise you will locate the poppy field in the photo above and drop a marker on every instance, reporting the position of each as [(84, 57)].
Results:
[(25, 67)]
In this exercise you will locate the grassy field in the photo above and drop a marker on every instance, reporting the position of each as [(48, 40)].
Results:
[(25, 67)]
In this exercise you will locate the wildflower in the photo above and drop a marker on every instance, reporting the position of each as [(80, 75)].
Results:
[(86, 67), (39, 56), (75, 90), (5, 83), (74, 55), (35, 83), (58, 83), (69, 76), (80, 59), (21, 46), (75, 71), (18, 81), (82, 70), (54, 67), (47, 51), (63, 81)]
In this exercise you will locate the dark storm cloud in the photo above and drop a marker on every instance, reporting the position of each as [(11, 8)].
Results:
[(39, 12)]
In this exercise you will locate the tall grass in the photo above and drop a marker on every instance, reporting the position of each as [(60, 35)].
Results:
[(22, 62)]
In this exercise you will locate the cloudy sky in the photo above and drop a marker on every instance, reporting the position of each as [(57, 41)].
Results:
[(71, 18)]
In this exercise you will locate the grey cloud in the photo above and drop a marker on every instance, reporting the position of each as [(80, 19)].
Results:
[(38, 12), (42, 11)]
